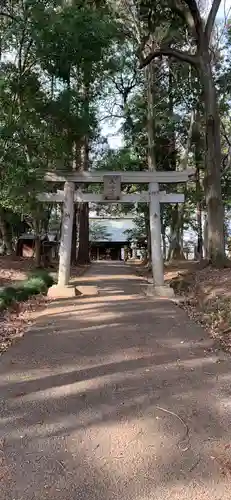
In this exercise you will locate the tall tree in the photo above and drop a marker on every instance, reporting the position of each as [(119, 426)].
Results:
[(201, 34), (44, 118)]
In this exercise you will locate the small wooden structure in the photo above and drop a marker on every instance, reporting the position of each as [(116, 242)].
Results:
[(48, 245)]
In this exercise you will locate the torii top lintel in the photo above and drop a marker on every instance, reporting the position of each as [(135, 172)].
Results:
[(146, 177)]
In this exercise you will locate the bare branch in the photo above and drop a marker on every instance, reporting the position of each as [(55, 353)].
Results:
[(26, 55), (169, 52), (211, 18), (223, 131), (110, 117), (227, 158), (9, 16)]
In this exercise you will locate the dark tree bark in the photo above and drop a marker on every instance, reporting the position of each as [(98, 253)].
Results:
[(164, 242), (148, 253), (199, 249), (212, 182), (37, 245), (175, 251), (199, 230), (37, 251), (82, 161), (149, 247), (84, 245), (74, 238), (206, 253), (6, 235)]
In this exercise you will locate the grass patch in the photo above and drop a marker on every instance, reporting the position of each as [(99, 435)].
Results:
[(37, 283)]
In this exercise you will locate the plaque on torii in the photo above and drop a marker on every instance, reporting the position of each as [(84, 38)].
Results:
[(112, 187)]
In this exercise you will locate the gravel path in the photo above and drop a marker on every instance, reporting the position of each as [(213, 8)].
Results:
[(115, 397)]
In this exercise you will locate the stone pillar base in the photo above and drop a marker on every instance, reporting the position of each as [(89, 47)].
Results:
[(159, 291), (62, 292), (70, 291), (87, 290)]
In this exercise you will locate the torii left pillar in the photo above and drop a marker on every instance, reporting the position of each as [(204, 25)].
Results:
[(62, 289), (66, 234)]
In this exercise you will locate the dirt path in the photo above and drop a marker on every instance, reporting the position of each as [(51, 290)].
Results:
[(115, 397)]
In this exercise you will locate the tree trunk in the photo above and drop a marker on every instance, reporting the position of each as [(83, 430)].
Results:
[(84, 246), (82, 163), (148, 257), (74, 238), (163, 234), (37, 246), (164, 242), (6, 236), (84, 243), (37, 251), (198, 157), (212, 183), (150, 92), (199, 216), (46, 215), (172, 133), (206, 250), (149, 248), (199, 232), (150, 76), (175, 249)]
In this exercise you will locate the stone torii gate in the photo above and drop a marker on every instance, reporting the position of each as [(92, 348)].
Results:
[(112, 194)]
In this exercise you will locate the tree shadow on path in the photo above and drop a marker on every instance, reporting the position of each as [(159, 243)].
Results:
[(114, 398)]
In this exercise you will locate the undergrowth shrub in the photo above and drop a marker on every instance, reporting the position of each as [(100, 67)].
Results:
[(37, 283)]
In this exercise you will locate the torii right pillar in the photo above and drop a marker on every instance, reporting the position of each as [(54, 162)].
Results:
[(158, 288)]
